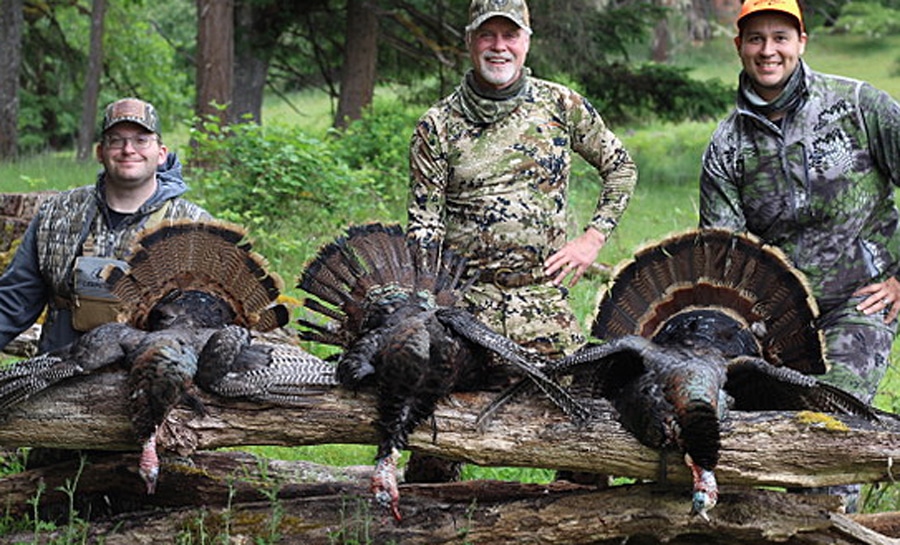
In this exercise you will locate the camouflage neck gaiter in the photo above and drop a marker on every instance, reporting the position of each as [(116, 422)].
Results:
[(790, 96), (485, 106)]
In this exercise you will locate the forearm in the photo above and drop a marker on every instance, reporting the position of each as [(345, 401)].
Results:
[(425, 207), (23, 294)]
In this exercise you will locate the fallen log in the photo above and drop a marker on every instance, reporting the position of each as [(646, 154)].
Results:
[(783, 449), (758, 448), (232, 497)]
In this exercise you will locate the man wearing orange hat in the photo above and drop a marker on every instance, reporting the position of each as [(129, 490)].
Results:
[(808, 162)]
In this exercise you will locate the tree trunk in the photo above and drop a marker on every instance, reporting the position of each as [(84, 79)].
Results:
[(360, 60), (699, 16), (659, 48), (92, 83), (215, 58), (11, 22), (257, 29)]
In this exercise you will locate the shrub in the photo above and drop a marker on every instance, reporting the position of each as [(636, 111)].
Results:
[(868, 19)]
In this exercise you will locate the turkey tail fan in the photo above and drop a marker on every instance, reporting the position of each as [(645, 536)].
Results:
[(372, 266), (211, 257), (719, 270)]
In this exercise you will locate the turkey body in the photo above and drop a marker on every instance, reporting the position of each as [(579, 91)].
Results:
[(391, 306), (191, 300), (693, 327), (162, 367)]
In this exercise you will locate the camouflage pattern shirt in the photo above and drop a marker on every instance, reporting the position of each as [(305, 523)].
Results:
[(818, 184), (40, 273), (497, 192)]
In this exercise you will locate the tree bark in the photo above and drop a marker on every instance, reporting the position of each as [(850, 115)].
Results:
[(215, 58), (255, 41), (758, 448), (11, 23), (360, 60), (92, 83)]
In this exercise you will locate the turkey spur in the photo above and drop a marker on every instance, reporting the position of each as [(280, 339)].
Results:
[(191, 295), (699, 324), (390, 306)]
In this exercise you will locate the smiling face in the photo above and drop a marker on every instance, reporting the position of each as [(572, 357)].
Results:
[(498, 49), (129, 165), (770, 46)]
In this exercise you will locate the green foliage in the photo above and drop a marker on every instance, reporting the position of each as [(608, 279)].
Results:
[(871, 19), (653, 91), (575, 37), (138, 61), (146, 57), (520, 474), (252, 172), (379, 144), (49, 100), (278, 179), (46, 171)]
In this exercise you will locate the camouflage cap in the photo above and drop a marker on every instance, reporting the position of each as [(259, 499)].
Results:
[(514, 10), (131, 110)]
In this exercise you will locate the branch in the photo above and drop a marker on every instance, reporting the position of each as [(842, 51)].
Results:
[(764, 448)]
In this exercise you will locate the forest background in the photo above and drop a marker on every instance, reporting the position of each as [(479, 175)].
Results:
[(307, 132)]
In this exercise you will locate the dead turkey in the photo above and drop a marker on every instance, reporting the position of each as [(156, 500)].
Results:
[(699, 324), (390, 306), (191, 296)]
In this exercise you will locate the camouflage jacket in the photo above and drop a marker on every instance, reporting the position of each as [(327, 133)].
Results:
[(40, 273), (819, 185), (497, 193)]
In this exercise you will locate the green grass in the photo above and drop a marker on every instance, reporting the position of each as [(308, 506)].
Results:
[(45, 172)]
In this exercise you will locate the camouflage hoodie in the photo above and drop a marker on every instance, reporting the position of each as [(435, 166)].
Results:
[(40, 273), (497, 192), (819, 184)]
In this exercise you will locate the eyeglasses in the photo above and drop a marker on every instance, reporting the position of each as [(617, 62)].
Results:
[(139, 142)]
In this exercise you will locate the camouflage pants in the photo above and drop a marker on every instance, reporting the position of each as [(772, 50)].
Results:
[(536, 316), (858, 348)]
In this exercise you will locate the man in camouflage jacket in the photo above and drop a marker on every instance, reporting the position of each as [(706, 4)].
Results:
[(808, 162), (489, 178), (140, 185)]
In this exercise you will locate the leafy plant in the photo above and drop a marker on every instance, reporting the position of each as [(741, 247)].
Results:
[(870, 19)]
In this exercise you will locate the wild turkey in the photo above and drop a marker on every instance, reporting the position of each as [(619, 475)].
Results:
[(191, 295), (695, 325), (390, 305)]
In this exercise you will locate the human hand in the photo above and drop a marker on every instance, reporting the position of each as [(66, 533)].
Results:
[(575, 257), (881, 295)]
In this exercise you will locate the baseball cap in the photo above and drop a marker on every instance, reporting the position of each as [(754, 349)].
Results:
[(789, 7), (132, 110), (514, 10)]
